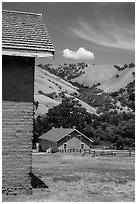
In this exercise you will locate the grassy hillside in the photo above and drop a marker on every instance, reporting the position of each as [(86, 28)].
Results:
[(105, 117), (49, 90), (103, 87)]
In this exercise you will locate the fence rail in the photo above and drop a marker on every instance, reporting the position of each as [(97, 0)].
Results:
[(99, 152)]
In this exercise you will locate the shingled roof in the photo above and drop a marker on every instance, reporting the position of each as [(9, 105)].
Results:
[(25, 32), (55, 134)]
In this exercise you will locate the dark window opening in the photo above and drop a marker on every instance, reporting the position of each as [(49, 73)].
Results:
[(79, 137), (69, 137), (82, 146), (65, 146)]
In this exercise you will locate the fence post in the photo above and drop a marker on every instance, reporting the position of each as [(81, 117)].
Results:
[(129, 152), (93, 153)]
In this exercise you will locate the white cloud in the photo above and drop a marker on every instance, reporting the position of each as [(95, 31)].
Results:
[(80, 54)]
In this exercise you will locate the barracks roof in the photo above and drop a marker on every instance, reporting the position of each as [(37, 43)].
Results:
[(25, 31), (55, 134)]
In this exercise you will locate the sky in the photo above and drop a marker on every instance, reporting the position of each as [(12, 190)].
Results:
[(101, 33)]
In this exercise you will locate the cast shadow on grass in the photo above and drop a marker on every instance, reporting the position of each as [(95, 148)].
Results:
[(37, 182)]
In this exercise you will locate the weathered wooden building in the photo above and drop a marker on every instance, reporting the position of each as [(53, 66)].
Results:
[(64, 139), (24, 37)]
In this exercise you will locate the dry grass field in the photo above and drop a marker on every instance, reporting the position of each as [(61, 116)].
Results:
[(76, 178)]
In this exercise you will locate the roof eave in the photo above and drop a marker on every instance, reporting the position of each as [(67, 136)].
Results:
[(27, 53), (13, 11)]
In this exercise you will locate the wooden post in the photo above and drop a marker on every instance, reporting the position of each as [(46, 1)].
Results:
[(129, 152), (93, 153)]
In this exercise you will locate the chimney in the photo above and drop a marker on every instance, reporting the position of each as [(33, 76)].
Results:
[(61, 127), (74, 127), (53, 127)]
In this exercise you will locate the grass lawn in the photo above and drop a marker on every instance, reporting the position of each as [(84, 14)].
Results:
[(76, 178)]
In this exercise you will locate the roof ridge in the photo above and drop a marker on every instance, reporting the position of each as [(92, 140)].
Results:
[(23, 12), (61, 128)]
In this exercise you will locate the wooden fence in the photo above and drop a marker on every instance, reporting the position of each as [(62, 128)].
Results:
[(99, 152)]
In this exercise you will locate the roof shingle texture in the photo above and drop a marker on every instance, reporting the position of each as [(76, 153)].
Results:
[(22, 30), (56, 134)]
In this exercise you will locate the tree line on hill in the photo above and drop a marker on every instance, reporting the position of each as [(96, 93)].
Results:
[(105, 101), (66, 71), (108, 127), (72, 70)]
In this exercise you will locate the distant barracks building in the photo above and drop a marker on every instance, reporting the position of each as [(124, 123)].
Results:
[(64, 139), (24, 37)]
